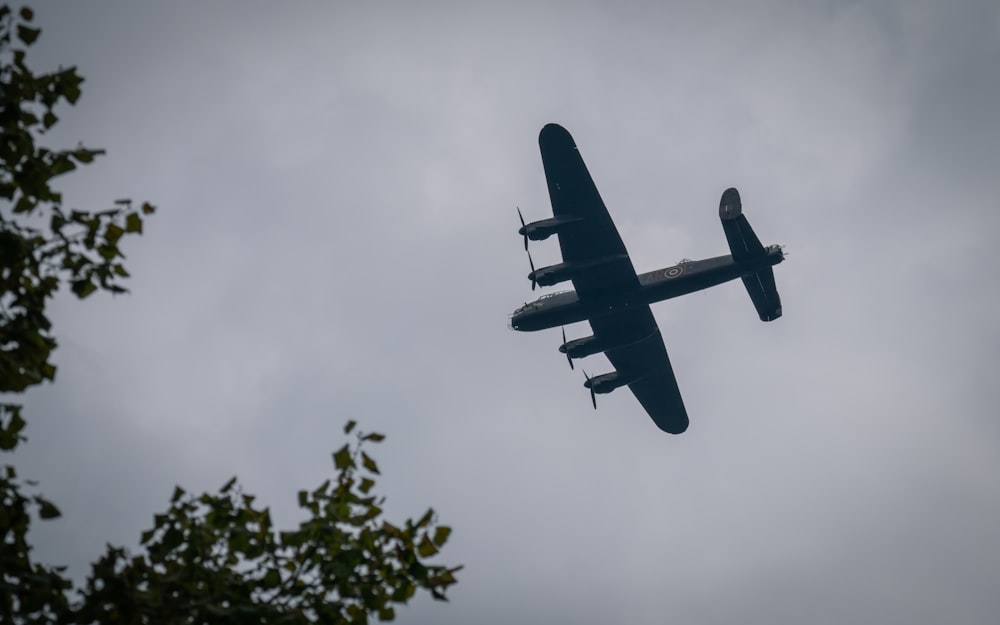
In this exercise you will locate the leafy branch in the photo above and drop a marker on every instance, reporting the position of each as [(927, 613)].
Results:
[(218, 558), (43, 244)]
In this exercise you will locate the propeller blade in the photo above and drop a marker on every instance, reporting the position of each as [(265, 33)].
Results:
[(524, 228), (566, 350), (534, 282), (593, 396)]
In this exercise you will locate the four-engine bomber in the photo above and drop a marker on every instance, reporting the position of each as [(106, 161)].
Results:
[(613, 298)]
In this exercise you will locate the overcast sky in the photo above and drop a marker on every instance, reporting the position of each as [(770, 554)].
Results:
[(336, 239)]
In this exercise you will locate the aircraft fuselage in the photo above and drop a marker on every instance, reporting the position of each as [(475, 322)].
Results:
[(559, 309)]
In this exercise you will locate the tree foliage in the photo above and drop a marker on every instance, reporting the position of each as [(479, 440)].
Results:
[(210, 558), (44, 244), (217, 558), (29, 592)]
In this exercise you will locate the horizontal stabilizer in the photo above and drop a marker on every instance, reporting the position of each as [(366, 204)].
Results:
[(764, 294)]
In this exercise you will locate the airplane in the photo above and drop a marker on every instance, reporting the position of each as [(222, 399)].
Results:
[(613, 298)]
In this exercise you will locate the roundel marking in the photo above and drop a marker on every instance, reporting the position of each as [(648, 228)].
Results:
[(673, 272)]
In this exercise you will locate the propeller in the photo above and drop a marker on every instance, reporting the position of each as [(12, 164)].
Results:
[(566, 350), (593, 397), (534, 282), (524, 228), (524, 231)]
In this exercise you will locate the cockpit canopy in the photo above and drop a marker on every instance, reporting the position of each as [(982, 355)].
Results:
[(548, 295), (538, 303)]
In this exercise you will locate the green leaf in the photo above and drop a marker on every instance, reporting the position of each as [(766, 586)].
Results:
[(178, 493), (427, 518), (321, 490), (272, 579), (24, 204), (172, 539), (403, 592), (374, 437), (29, 119), (72, 93), (27, 14), (47, 510), (292, 539), (426, 548), (83, 288), (133, 223), (10, 434), (57, 221), (369, 463), (112, 233), (228, 485), (148, 209), (62, 165), (107, 252), (441, 535), (342, 458), (86, 155), (303, 498), (48, 371), (27, 35), (366, 485), (389, 529), (349, 426)]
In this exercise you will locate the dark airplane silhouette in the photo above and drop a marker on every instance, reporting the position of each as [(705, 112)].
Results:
[(613, 298)]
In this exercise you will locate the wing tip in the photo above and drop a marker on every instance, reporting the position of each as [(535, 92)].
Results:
[(554, 134), (676, 426)]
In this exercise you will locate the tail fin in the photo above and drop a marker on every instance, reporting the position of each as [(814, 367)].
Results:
[(742, 241), (747, 249)]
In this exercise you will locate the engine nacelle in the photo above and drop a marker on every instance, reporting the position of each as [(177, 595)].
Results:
[(607, 382), (583, 347), (543, 229), (580, 348), (554, 274)]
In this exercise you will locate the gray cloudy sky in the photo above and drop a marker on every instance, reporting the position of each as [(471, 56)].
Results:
[(337, 239)]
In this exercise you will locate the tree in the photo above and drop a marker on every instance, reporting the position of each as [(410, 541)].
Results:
[(42, 244), (217, 558), (210, 558)]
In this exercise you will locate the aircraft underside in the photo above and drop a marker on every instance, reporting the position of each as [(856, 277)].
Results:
[(613, 298)]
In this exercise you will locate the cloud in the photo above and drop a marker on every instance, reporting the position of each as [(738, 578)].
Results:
[(337, 239)]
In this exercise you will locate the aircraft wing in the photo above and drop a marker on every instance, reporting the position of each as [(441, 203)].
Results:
[(655, 385), (594, 236)]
